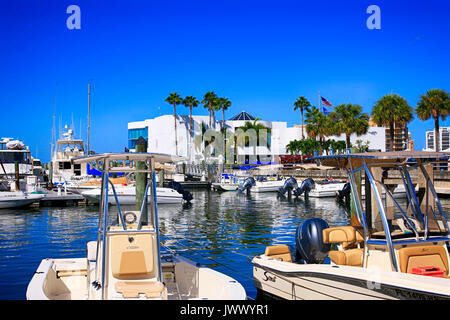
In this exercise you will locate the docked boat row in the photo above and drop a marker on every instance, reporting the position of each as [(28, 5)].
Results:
[(20, 175)]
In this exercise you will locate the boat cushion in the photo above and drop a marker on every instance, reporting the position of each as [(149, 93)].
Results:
[(423, 256), (279, 252), (351, 257), (347, 235), (132, 289), (132, 260)]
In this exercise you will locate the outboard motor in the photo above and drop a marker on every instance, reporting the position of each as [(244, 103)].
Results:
[(306, 186), (289, 185), (309, 241), (345, 192), (247, 184), (177, 187)]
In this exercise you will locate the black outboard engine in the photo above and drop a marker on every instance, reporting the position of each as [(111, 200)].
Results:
[(247, 184), (289, 185), (177, 187), (306, 186), (345, 192), (309, 241)]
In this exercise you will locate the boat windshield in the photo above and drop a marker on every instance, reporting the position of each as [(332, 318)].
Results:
[(12, 156), (376, 180)]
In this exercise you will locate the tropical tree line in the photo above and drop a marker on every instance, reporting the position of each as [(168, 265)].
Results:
[(226, 142), (390, 111), (210, 101)]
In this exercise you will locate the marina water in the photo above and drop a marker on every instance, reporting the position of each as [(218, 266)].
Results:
[(223, 231)]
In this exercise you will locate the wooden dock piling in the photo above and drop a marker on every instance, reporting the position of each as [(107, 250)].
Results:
[(141, 179)]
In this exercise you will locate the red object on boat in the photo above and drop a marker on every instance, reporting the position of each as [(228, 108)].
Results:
[(429, 271)]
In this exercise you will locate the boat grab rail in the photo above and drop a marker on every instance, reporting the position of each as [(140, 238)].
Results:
[(383, 219)]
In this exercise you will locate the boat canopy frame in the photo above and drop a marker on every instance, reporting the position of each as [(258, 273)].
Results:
[(399, 161), (105, 163)]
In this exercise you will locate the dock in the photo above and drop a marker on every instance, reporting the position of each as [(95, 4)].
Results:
[(52, 198), (196, 184)]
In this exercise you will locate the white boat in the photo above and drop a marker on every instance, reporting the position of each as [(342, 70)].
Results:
[(228, 182), (96, 184), (14, 199), (12, 151), (268, 184), (127, 195), (65, 172), (392, 253), (326, 188), (125, 262)]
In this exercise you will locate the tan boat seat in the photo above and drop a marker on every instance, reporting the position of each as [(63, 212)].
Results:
[(131, 289), (132, 260), (349, 237), (423, 256), (279, 252), (350, 257)]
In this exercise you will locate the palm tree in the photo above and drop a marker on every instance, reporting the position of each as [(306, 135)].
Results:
[(209, 100), (174, 99), (224, 104), (391, 110), (318, 125), (301, 103), (190, 102), (436, 104), (348, 119)]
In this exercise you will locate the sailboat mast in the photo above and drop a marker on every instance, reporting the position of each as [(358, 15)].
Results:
[(88, 120), (53, 144)]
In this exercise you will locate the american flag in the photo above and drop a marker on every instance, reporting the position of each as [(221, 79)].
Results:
[(326, 102)]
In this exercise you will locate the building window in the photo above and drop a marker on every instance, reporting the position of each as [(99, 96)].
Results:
[(445, 141), (64, 165), (134, 134), (430, 140)]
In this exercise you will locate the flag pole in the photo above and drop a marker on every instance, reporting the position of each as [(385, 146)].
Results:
[(320, 105)]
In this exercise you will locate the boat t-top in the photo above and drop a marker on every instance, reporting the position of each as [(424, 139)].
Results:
[(390, 250), (125, 262)]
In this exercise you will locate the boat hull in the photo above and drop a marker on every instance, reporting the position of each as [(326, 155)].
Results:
[(268, 186), (225, 186), (163, 195), (14, 200), (183, 279), (331, 282)]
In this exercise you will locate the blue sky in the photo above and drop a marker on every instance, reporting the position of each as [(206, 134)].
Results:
[(260, 54)]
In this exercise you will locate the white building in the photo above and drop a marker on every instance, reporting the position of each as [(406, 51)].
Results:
[(160, 135), (444, 139)]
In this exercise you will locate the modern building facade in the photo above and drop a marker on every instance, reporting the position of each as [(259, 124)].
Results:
[(444, 140), (160, 136), (401, 138)]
